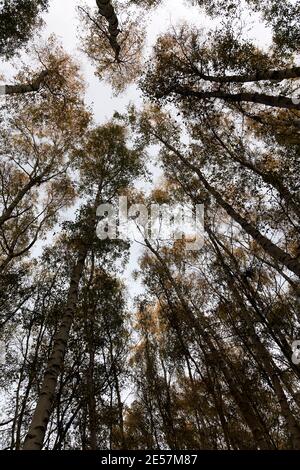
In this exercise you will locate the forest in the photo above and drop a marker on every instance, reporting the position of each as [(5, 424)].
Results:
[(142, 343)]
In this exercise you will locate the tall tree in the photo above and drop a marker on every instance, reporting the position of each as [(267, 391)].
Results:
[(39, 134)]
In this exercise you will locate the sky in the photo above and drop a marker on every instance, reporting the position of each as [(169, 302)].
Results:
[(62, 20)]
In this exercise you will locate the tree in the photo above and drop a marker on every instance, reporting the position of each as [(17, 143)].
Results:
[(19, 19), (197, 68), (159, 128), (282, 16), (39, 133), (202, 357)]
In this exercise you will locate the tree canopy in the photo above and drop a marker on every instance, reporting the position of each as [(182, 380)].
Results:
[(151, 341)]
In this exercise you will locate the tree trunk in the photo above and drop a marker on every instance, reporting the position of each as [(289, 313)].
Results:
[(106, 9), (36, 434), (6, 214), (258, 98)]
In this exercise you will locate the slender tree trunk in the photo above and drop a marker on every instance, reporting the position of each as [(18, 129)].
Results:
[(92, 409), (270, 178), (22, 88), (239, 395), (263, 356), (37, 430), (90, 382), (120, 408), (106, 9), (36, 434), (259, 75), (273, 250), (6, 214), (259, 98)]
